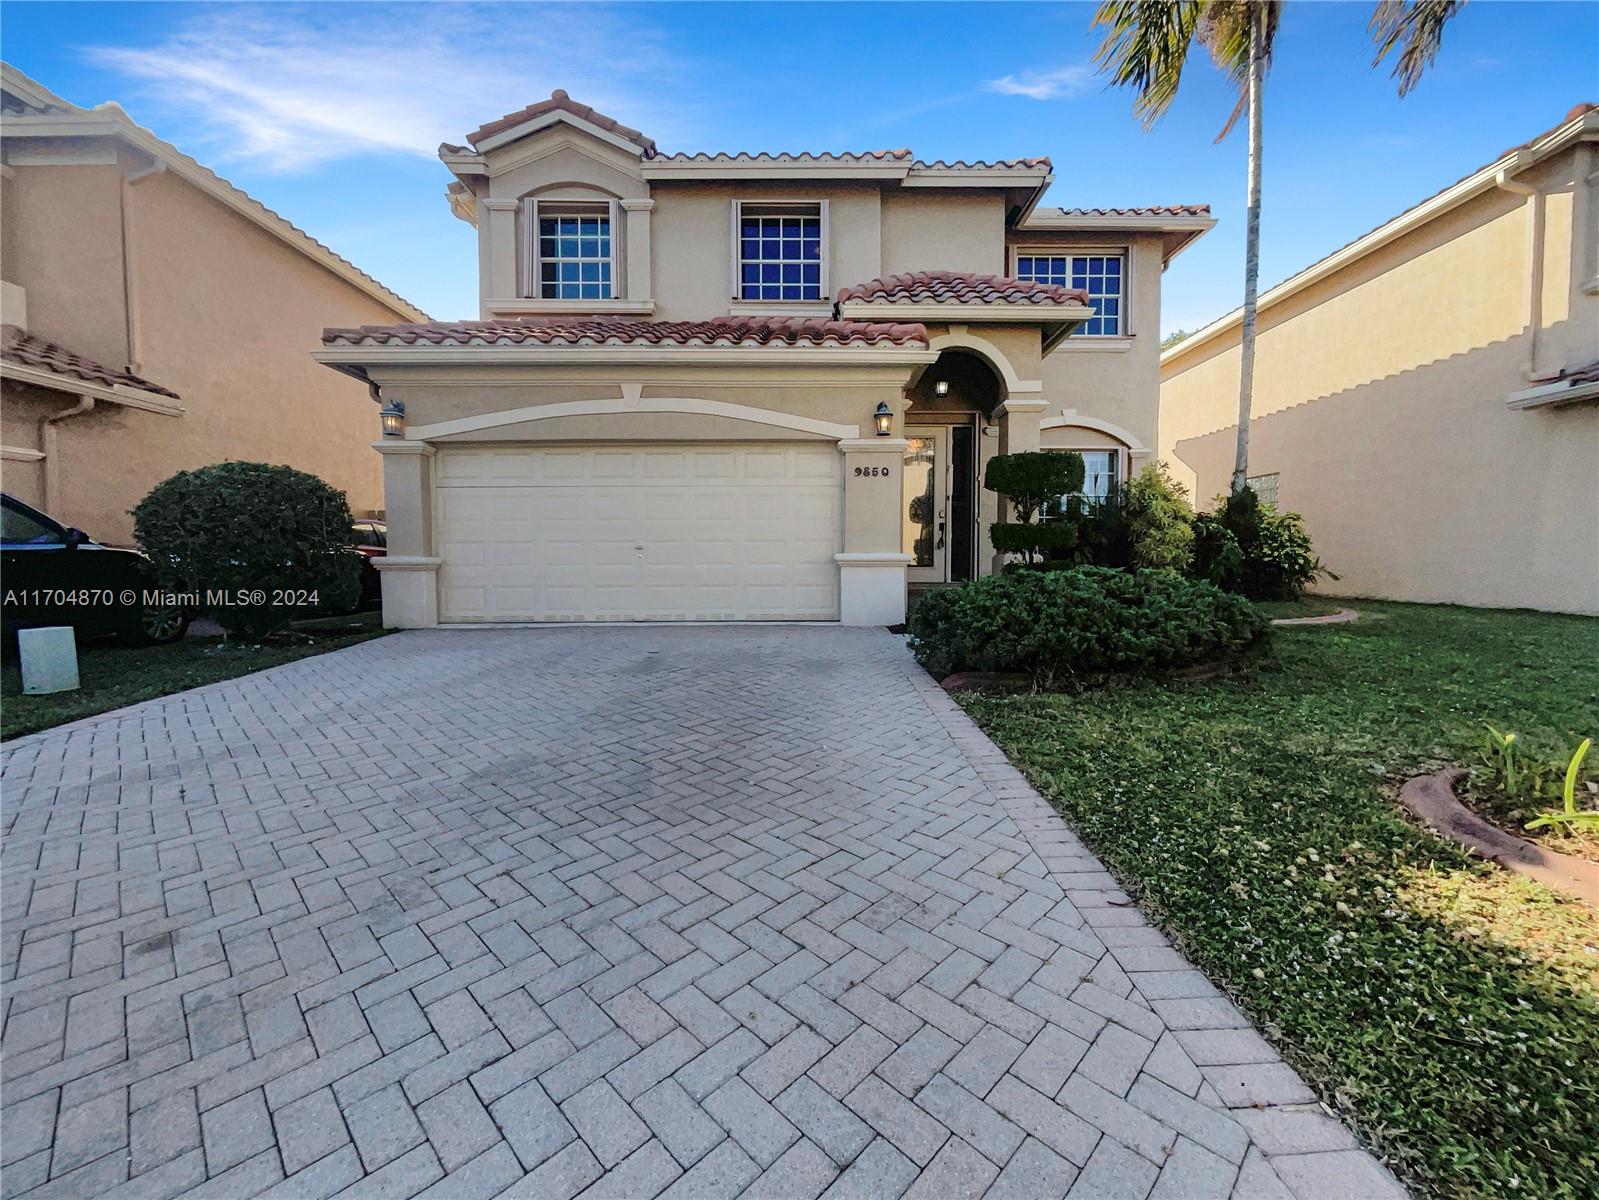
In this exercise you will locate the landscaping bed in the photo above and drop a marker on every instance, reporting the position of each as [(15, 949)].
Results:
[(1447, 1008), (115, 676)]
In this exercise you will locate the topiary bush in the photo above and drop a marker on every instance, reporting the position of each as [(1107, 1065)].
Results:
[(1030, 481), (259, 545), (1159, 520), (1088, 621), (1250, 548)]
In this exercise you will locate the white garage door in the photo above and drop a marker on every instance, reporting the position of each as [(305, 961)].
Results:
[(638, 533)]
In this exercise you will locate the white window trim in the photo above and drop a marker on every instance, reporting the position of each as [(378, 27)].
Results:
[(530, 248), (1124, 459), (734, 247), (1108, 341)]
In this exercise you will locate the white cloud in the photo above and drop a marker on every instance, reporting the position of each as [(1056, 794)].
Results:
[(1044, 85), (287, 87)]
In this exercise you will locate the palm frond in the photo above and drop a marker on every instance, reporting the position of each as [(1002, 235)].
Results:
[(1416, 29), (1146, 45), (1226, 29)]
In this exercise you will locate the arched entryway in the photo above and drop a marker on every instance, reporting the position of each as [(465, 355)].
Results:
[(950, 428)]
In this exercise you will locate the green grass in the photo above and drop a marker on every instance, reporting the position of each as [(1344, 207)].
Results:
[(1448, 1009), (116, 676)]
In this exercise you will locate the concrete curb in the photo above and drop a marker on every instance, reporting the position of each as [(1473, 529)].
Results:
[(1431, 799)]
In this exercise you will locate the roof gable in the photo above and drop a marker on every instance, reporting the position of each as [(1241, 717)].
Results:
[(560, 108)]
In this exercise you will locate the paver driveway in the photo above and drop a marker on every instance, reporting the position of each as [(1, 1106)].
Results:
[(692, 911)]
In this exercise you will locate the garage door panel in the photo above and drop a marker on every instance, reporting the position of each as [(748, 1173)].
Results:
[(638, 533)]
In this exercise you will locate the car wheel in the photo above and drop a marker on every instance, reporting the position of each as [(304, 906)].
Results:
[(158, 626)]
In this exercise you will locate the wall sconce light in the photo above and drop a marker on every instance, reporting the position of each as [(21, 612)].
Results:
[(392, 418), (941, 388), (883, 418)]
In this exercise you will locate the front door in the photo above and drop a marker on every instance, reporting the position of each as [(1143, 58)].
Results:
[(924, 508)]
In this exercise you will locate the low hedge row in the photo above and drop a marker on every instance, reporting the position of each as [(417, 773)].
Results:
[(1086, 621)]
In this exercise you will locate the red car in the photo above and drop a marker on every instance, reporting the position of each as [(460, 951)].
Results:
[(371, 541)]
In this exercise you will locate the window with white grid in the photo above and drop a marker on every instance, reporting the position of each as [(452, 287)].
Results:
[(1102, 276), (779, 251), (572, 252)]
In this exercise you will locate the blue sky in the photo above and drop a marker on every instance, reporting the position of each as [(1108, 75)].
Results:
[(331, 113)]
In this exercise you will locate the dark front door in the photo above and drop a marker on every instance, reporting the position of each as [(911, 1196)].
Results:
[(962, 503)]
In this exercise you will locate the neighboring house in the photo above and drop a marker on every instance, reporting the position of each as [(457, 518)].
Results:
[(157, 318), (670, 408), (1428, 396)]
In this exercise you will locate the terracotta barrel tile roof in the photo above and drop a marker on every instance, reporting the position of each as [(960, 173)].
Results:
[(957, 287), (983, 164), (784, 156), (593, 331), (44, 355), (560, 100), (1159, 210)]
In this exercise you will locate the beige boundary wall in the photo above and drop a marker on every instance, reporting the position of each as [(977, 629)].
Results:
[(1380, 404)]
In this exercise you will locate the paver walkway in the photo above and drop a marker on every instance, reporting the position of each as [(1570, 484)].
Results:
[(695, 912)]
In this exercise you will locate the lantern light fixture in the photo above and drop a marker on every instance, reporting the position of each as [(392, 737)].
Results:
[(883, 418), (941, 388), (392, 417)]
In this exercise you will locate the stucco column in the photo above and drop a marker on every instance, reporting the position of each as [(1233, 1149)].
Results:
[(636, 247), (871, 567), (503, 258), (409, 571)]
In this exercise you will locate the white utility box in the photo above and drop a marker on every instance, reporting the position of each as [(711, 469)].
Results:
[(49, 659)]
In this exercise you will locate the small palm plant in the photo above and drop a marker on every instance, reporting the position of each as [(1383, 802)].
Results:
[(1570, 816)]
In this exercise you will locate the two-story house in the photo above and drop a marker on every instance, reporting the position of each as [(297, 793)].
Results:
[(154, 318), (746, 386)]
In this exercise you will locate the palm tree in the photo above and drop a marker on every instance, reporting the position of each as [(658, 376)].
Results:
[(1146, 46)]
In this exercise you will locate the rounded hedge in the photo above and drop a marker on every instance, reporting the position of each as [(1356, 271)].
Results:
[(259, 545), (1086, 621)]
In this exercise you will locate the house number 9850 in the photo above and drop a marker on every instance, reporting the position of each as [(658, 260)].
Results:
[(870, 471)]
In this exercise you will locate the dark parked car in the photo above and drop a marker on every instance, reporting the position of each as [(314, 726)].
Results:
[(51, 574), (371, 541)]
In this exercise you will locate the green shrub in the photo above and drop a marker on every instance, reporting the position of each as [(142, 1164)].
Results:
[(1085, 621), (1254, 550), (235, 528), (1030, 481), (1159, 520)]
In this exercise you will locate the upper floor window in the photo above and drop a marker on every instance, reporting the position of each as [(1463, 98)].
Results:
[(780, 250), (572, 251), (1103, 276)]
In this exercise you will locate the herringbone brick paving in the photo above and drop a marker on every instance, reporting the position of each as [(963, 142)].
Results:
[(616, 913)]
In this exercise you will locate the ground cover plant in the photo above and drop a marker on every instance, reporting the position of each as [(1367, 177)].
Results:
[(1448, 1009)]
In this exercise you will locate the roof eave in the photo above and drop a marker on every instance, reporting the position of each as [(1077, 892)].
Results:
[(115, 393), (109, 120), (357, 360), (1580, 129), (1553, 395), (1014, 314)]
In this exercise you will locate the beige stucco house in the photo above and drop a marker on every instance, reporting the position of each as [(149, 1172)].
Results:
[(1428, 395), (746, 386), (157, 318)]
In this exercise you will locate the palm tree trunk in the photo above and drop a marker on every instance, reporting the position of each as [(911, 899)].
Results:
[(1246, 365)]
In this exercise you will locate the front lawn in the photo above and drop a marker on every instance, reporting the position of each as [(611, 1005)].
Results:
[(1448, 1009), (116, 676)]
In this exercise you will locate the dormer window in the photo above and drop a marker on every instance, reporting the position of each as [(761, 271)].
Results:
[(572, 253), (779, 250)]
